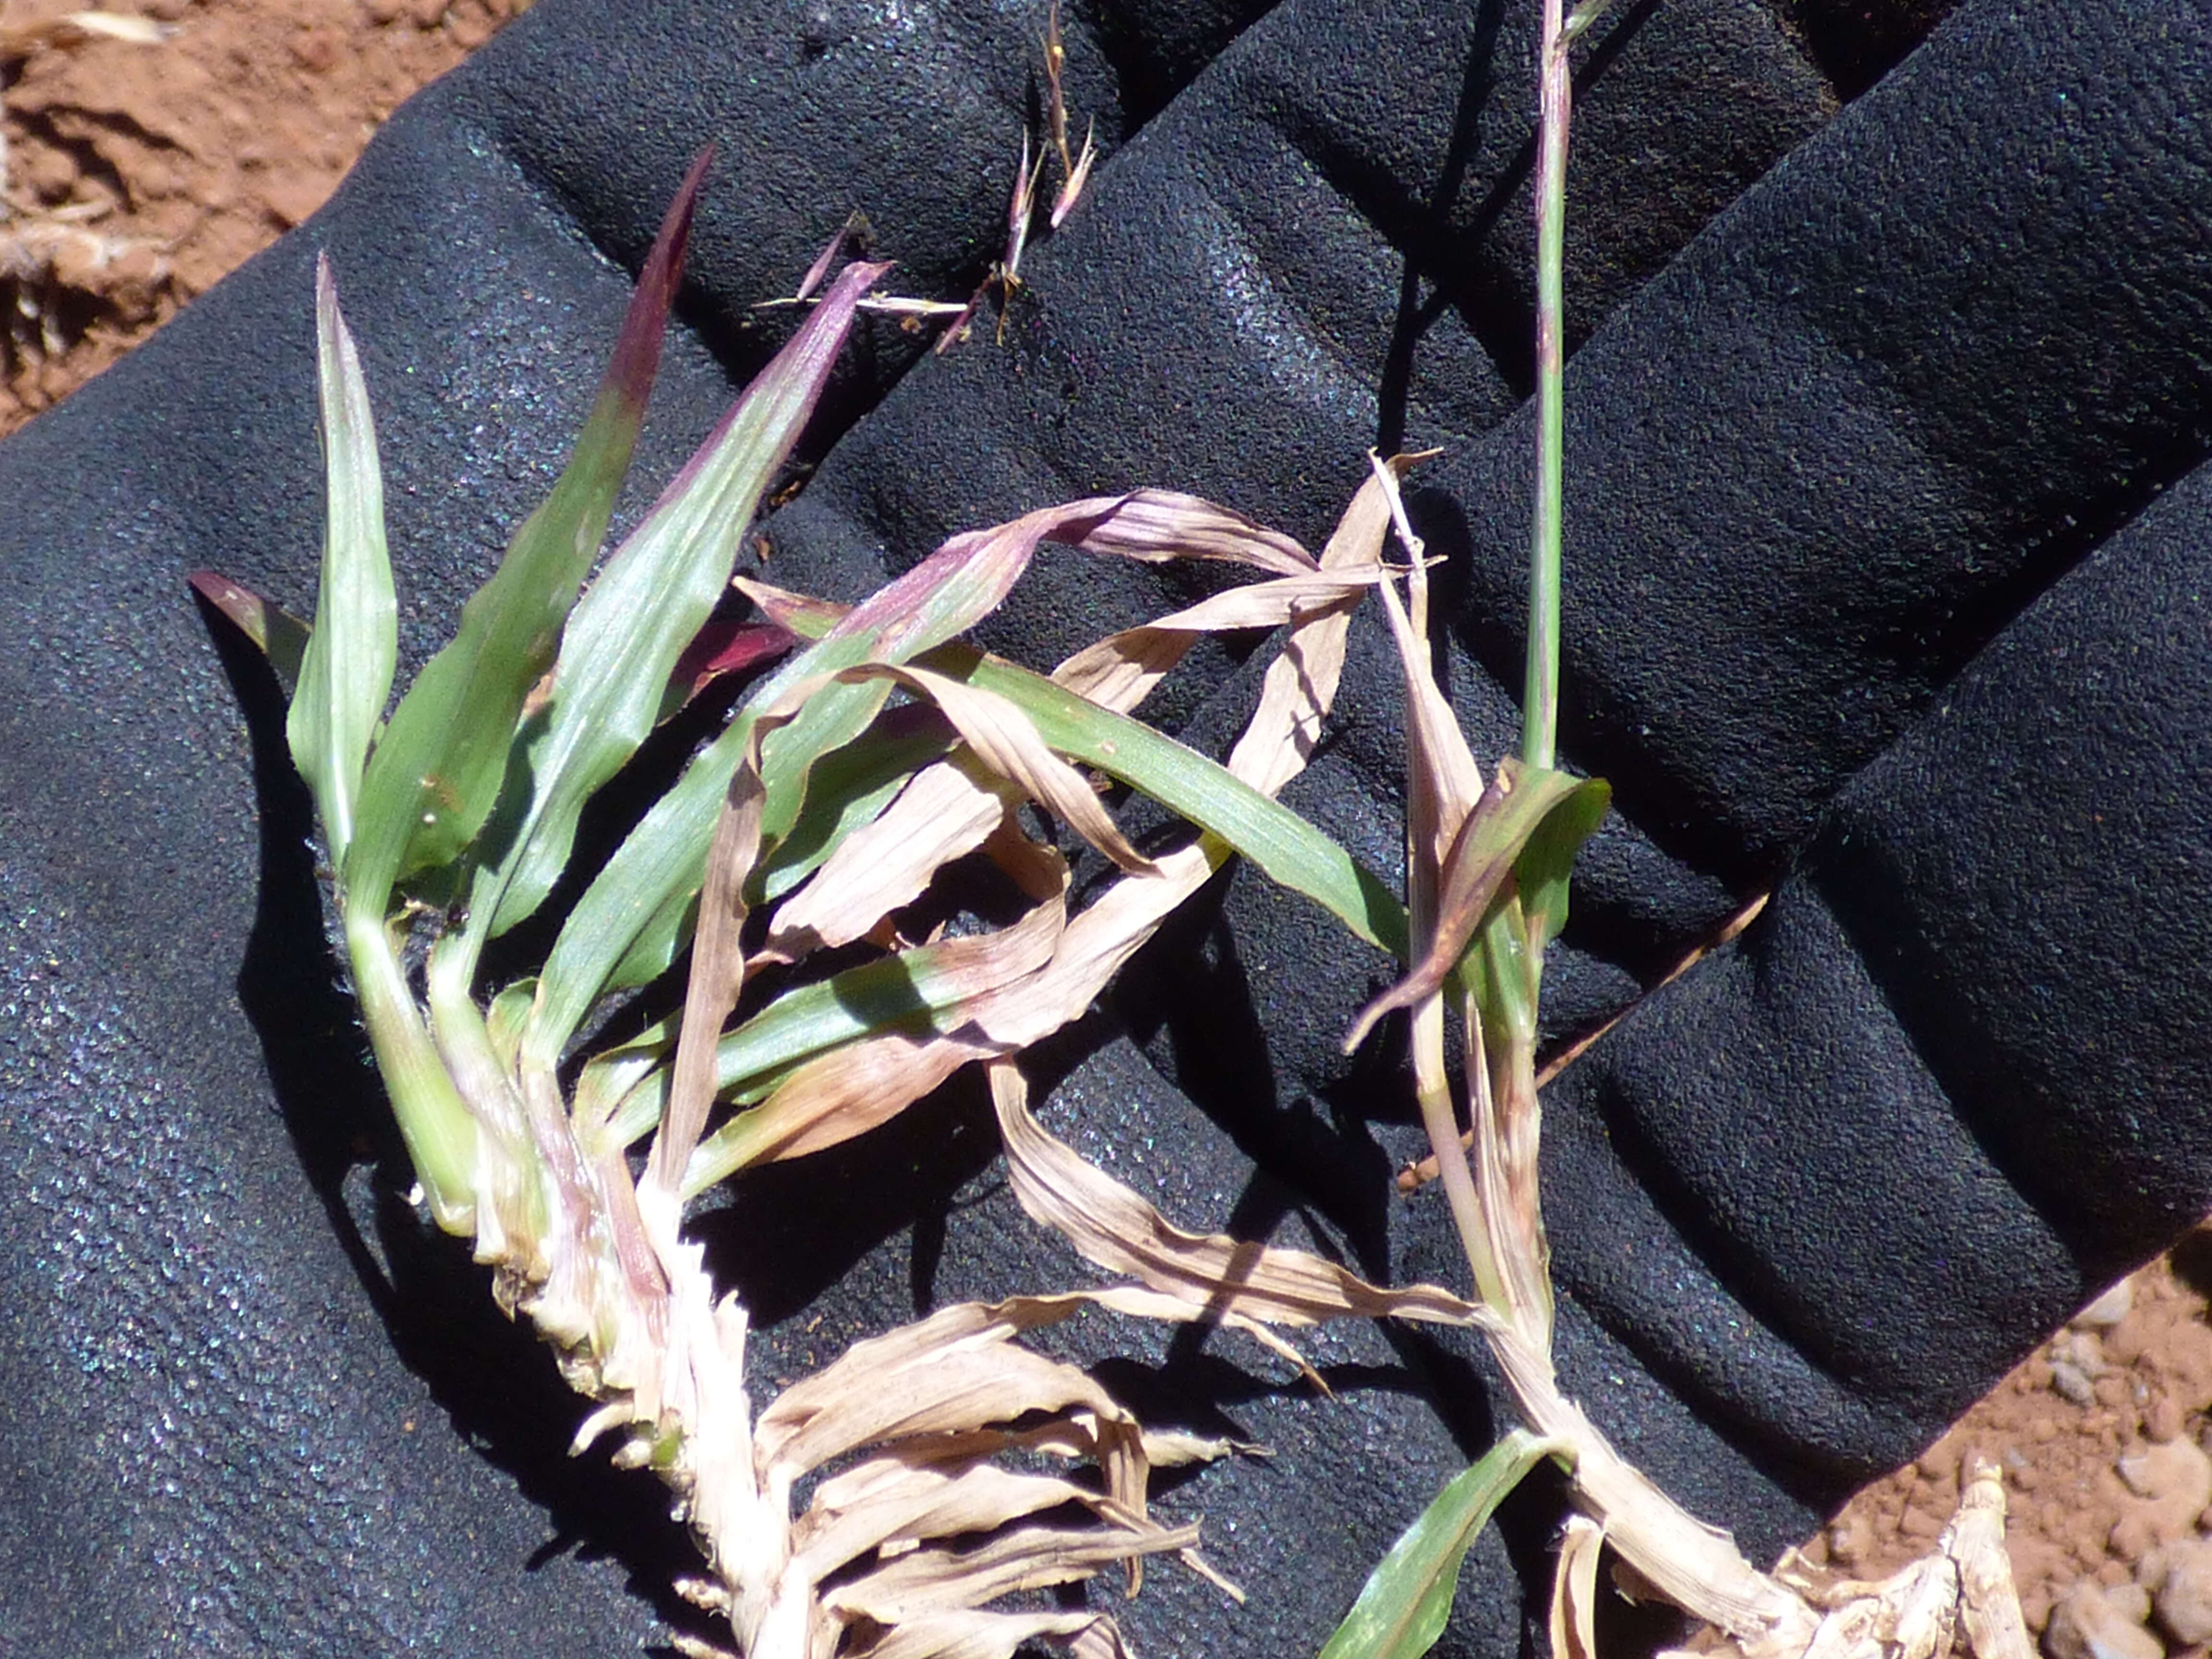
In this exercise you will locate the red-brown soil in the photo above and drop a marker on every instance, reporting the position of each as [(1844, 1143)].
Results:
[(2100, 1434), (133, 175)]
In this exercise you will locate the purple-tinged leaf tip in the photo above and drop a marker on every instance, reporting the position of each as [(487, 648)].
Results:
[(279, 636), (637, 349), (828, 257), (241, 605)]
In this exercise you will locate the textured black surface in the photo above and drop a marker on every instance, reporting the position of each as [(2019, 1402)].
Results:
[(1887, 584)]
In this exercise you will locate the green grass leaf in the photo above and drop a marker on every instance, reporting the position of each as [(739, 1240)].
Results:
[(438, 770), (1402, 1608), (1548, 861), (345, 672), (1290, 850), (632, 921), (629, 629)]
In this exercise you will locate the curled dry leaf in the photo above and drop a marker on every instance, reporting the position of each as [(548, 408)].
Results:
[(910, 1588), (717, 974), (1217, 1275), (1574, 1589), (918, 1382), (1005, 741), (1445, 781), (996, 732), (928, 1395), (944, 811), (889, 1503), (1301, 684), (1120, 670)]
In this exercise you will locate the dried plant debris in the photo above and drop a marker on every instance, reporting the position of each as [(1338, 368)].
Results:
[(60, 271), (1002, 283)]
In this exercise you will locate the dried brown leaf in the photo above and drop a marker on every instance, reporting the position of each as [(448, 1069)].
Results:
[(890, 1503), (1037, 870), (964, 579), (1091, 950), (1014, 1013), (1120, 670), (1477, 868), (1444, 781), (1574, 1589), (956, 1371), (1111, 1225), (842, 1094), (1006, 740), (1077, 1436), (1156, 525), (1300, 685), (910, 1588), (718, 970), (944, 811)]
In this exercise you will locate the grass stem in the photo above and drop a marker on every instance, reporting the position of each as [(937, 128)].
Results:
[(1433, 1087), (1539, 705), (433, 1120)]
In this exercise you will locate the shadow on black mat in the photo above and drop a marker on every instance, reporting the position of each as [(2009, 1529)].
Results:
[(493, 1378)]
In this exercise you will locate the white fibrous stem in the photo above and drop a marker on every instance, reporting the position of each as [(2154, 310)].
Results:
[(596, 1261)]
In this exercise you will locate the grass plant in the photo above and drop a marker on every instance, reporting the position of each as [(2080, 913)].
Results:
[(871, 750)]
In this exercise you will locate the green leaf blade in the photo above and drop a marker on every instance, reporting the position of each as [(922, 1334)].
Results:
[(631, 921), (1290, 850), (438, 771), (628, 632), (346, 670), (1402, 1608), (1547, 863)]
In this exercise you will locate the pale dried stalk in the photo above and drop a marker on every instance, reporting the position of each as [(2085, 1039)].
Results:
[(1497, 1206), (599, 1266)]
